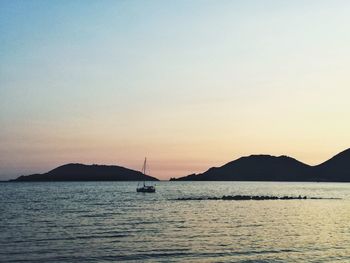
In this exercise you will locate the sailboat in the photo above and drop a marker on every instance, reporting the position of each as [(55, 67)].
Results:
[(145, 188)]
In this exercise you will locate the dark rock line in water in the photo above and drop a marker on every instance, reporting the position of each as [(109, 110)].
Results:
[(251, 197)]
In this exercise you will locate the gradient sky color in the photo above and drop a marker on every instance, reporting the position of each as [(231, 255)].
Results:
[(189, 84)]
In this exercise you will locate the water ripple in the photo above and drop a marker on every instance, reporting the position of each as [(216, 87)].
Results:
[(109, 222)]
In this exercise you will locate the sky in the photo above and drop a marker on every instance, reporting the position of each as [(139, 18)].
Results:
[(189, 84)]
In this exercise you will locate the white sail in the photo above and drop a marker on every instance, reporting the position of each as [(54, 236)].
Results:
[(145, 188)]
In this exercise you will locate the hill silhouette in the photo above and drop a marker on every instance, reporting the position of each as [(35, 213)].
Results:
[(335, 169), (282, 168), (82, 172)]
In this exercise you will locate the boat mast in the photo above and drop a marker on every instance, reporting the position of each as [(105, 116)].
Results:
[(144, 170)]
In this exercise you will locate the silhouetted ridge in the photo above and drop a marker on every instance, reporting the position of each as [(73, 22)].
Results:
[(335, 169), (82, 172), (281, 168)]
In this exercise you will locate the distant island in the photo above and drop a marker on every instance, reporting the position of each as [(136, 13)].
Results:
[(250, 168), (273, 168), (82, 172)]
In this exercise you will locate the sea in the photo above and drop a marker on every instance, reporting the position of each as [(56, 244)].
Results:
[(111, 222)]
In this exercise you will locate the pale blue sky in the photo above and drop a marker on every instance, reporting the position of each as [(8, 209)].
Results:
[(190, 84)]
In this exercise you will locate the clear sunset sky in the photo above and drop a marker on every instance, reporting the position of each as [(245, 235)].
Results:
[(189, 84)]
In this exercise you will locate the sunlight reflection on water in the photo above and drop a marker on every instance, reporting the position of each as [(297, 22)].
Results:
[(104, 221)]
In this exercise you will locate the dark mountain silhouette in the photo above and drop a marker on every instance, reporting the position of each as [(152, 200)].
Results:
[(335, 169), (282, 168), (82, 172)]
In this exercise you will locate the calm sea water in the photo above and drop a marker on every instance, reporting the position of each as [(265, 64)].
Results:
[(109, 221)]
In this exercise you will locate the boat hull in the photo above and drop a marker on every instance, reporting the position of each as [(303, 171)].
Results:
[(150, 189)]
